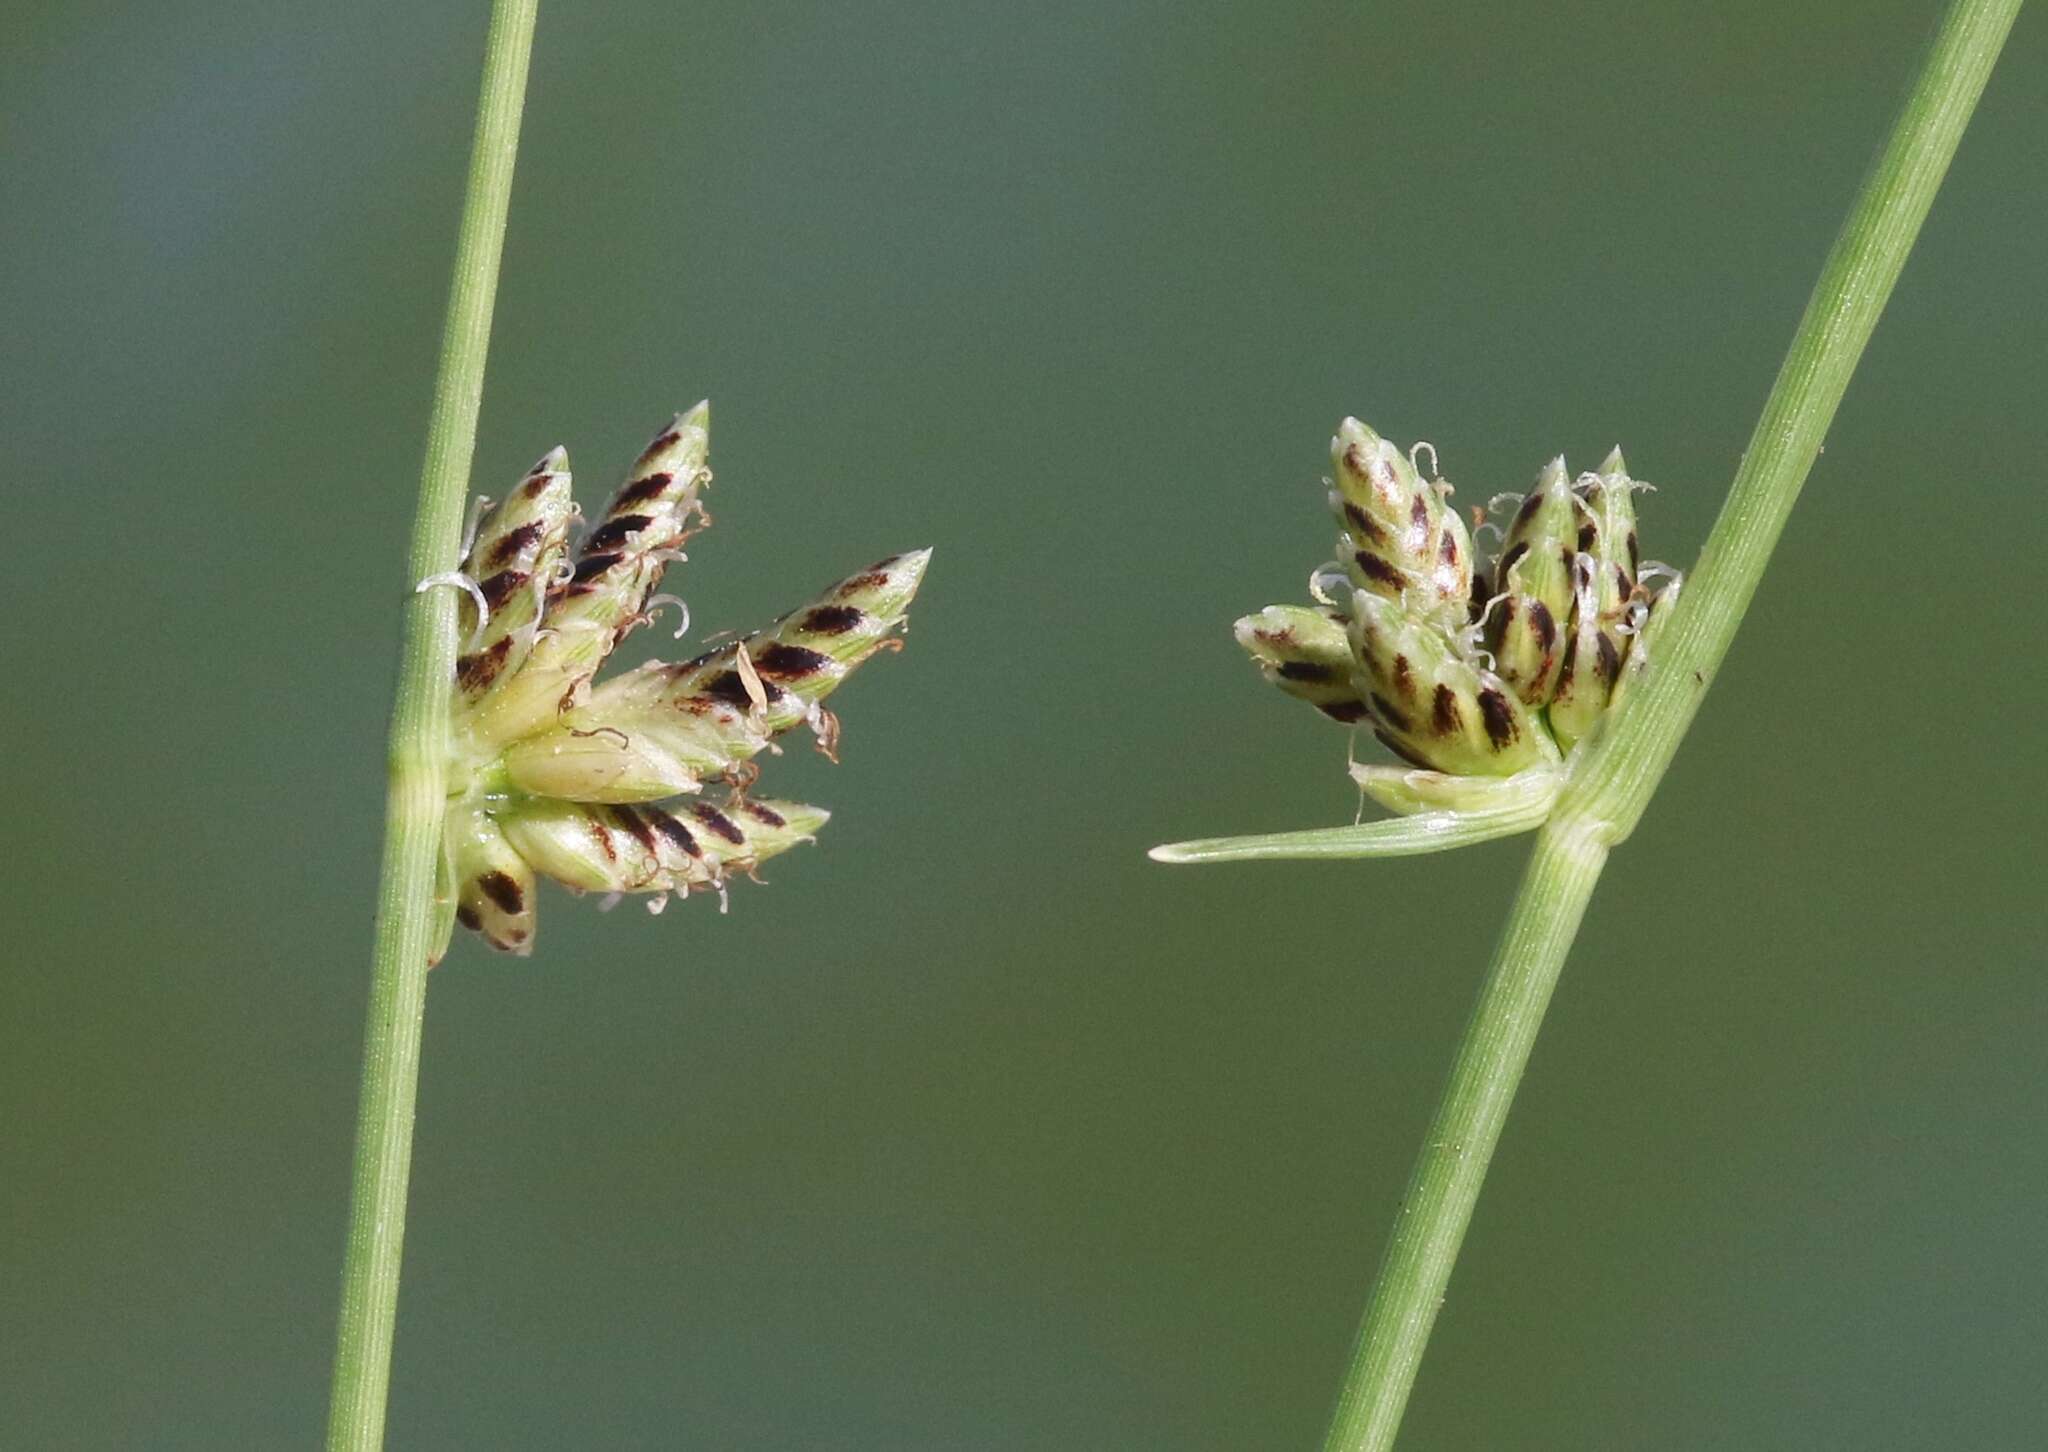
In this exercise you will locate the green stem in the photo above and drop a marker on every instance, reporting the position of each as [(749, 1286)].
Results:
[(1612, 779), (1430, 1225), (417, 799)]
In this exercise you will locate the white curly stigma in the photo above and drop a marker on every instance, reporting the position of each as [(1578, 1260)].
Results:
[(1329, 585), (468, 586), (1658, 570), (655, 603)]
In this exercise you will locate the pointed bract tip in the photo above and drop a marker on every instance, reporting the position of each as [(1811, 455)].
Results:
[(907, 569), (1614, 463), (1167, 852), (698, 416), (1553, 474), (1351, 432), (800, 818), (554, 461)]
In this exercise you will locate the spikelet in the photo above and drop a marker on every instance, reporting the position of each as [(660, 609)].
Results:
[(1524, 623), (514, 558), (617, 567), (645, 848), (665, 729), (553, 776), (1400, 536), (1304, 652), (494, 887)]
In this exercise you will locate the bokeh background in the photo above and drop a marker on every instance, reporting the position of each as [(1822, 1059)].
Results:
[(975, 1129)]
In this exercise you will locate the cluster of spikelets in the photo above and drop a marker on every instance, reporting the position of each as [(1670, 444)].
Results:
[(1480, 675), (556, 776)]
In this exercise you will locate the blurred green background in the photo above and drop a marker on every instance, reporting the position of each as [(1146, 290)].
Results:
[(975, 1129)]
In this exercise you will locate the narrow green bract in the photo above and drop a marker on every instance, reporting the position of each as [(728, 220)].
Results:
[(554, 775)]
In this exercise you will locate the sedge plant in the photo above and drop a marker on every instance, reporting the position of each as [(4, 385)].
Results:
[(510, 761), (1547, 689)]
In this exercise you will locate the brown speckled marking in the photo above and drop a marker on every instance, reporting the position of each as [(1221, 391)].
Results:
[(1362, 526), (790, 662), (1507, 562), (1378, 570), (1448, 550), (665, 441), (1528, 510), (635, 824), (1347, 712), (603, 836), (507, 549), (475, 671), (504, 890), (1393, 745), (1388, 712), (718, 823), (1609, 668), (832, 619), (642, 491), (1635, 554), (590, 566), (499, 587), (868, 580), (1503, 619), (1305, 670), (1589, 535), (766, 816), (1444, 714), (467, 916), (610, 537), (677, 834), (1404, 677), (1500, 718), (728, 688), (1543, 625)]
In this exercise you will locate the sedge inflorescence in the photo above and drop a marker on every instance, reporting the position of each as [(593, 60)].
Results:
[(1481, 674), (555, 775)]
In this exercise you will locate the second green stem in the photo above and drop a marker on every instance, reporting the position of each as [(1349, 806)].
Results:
[(1611, 780), (1431, 1222)]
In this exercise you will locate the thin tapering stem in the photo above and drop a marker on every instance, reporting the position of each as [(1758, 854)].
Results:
[(1612, 779), (416, 801), (1445, 1185)]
